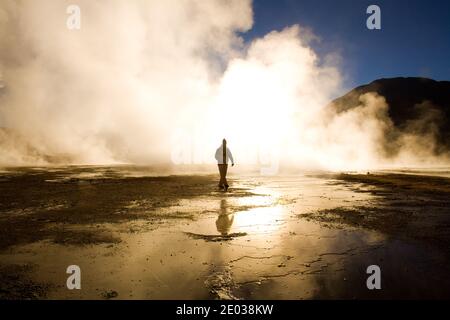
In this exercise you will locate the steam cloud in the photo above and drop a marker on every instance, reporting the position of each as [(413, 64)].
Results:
[(164, 81)]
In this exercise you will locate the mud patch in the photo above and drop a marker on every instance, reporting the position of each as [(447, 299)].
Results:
[(384, 219), (111, 294), (221, 284), (32, 203), (424, 184), (82, 237), (16, 284)]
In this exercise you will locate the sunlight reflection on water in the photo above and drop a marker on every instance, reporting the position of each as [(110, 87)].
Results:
[(275, 254)]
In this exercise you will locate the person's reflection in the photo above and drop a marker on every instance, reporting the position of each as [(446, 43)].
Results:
[(224, 220)]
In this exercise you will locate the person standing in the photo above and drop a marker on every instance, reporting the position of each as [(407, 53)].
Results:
[(223, 154)]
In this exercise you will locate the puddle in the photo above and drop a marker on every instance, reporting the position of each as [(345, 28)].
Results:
[(251, 246)]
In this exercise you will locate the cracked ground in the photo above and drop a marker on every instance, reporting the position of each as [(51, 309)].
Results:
[(137, 235)]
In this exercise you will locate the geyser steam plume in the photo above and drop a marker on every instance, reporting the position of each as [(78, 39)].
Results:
[(164, 81)]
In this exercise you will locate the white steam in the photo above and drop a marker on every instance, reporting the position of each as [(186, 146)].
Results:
[(148, 81)]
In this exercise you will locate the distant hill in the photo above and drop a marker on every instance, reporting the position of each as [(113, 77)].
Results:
[(409, 99)]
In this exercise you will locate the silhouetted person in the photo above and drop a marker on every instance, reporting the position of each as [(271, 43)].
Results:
[(224, 220), (222, 156)]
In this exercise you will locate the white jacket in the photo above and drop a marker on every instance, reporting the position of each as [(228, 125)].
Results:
[(219, 156)]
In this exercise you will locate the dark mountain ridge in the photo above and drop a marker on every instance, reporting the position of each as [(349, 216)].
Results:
[(409, 100)]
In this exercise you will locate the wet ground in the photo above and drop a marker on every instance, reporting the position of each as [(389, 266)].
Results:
[(137, 235)]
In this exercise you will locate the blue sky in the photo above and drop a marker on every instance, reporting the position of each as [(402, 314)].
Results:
[(414, 39)]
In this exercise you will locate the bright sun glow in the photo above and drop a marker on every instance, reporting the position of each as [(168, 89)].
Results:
[(155, 85)]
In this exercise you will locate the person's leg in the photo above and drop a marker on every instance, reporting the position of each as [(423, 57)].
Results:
[(225, 182), (222, 176)]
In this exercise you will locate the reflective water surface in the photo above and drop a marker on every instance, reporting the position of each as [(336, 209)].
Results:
[(249, 243)]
